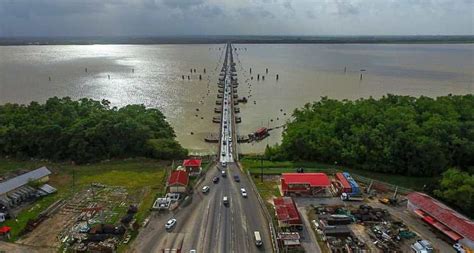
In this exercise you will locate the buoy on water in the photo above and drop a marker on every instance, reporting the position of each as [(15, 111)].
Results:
[(182, 77), (108, 76), (266, 70), (277, 77), (85, 70)]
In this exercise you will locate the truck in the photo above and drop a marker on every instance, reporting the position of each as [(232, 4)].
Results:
[(350, 197)]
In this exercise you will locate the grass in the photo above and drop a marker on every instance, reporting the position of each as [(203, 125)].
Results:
[(143, 179), (278, 167)]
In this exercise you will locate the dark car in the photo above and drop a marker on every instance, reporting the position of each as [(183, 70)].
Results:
[(215, 180), (236, 178)]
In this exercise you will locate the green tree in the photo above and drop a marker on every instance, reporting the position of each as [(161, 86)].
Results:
[(457, 187)]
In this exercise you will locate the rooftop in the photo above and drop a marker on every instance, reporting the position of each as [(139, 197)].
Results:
[(442, 213), (313, 179), (23, 179), (192, 163), (179, 177)]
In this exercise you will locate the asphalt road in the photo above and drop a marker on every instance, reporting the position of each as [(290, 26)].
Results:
[(206, 224)]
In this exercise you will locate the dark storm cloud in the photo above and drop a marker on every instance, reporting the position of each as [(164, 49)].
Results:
[(183, 4), (181, 17)]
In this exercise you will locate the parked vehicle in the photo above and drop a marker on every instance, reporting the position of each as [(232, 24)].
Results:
[(205, 189), (459, 248), (170, 224), (258, 239), (348, 197)]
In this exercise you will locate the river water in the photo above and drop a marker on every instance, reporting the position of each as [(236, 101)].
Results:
[(152, 75)]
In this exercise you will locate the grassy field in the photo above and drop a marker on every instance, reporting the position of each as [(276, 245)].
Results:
[(143, 179), (276, 168)]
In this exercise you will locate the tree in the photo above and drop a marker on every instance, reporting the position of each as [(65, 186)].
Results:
[(457, 187)]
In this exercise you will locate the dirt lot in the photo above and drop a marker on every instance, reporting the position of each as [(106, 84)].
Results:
[(110, 201)]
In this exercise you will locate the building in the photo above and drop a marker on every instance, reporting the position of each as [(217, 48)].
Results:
[(178, 181), (192, 166), (289, 239), (304, 183), (286, 212), (342, 183), (451, 223), (15, 190)]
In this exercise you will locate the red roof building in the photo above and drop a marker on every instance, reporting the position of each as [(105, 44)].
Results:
[(178, 181), (454, 225), (193, 166), (343, 184), (304, 183), (286, 212)]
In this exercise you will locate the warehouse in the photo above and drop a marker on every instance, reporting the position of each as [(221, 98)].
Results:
[(17, 189), (451, 223), (304, 184)]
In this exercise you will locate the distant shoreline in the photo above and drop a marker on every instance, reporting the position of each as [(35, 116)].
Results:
[(435, 39)]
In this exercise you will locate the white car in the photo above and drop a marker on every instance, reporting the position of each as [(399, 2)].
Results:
[(205, 189), (230, 138), (459, 248), (170, 223), (243, 192)]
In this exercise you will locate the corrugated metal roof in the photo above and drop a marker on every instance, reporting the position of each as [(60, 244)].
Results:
[(23, 179), (313, 179), (48, 188), (179, 177), (192, 163), (437, 210), (286, 210)]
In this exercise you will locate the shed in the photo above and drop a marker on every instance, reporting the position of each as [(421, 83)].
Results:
[(178, 181), (286, 212), (193, 166)]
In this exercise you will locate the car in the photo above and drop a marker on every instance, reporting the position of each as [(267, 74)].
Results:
[(230, 138), (225, 200), (205, 189), (224, 164), (223, 153), (193, 251), (459, 248), (215, 180), (223, 173), (170, 224), (243, 192), (236, 178), (258, 238)]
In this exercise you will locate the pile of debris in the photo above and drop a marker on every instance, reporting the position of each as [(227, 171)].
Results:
[(366, 213)]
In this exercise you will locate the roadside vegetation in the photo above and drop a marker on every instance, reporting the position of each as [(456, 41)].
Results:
[(84, 131), (254, 165)]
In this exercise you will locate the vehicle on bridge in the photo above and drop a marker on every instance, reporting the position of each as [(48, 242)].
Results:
[(215, 180), (236, 178), (243, 192)]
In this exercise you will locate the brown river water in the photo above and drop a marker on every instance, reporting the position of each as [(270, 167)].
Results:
[(152, 75)]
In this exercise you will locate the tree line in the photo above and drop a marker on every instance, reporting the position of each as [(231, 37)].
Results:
[(394, 134), (85, 130)]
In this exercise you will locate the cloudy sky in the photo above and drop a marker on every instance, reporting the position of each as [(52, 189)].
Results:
[(235, 17)]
